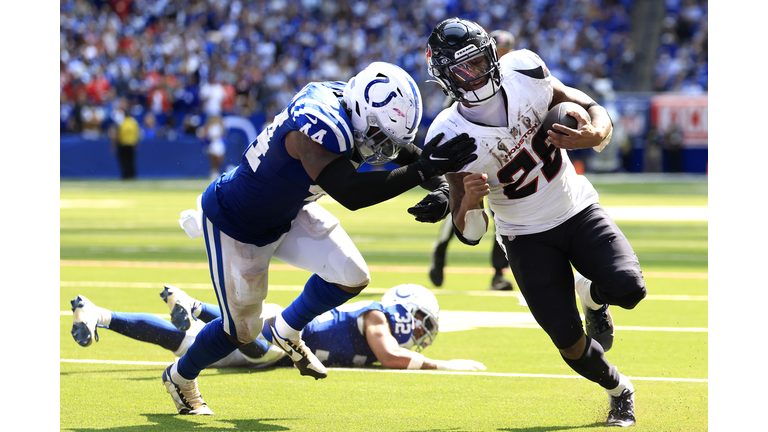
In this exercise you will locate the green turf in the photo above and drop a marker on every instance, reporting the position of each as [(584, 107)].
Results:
[(137, 222)]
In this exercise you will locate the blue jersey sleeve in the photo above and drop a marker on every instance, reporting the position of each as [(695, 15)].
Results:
[(320, 116)]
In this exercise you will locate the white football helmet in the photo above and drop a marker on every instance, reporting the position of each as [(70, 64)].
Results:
[(385, 106), (417, 299)]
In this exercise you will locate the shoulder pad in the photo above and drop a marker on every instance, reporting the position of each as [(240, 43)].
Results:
[(525, 62), (446, 123), (317, 113)]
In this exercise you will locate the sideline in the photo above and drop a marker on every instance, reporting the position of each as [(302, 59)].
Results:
[(405, 371)]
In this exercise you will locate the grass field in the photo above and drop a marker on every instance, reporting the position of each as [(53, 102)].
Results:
[(120, 242)]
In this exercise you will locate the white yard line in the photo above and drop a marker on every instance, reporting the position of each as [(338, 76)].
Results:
[(430, 372), (452, 321)]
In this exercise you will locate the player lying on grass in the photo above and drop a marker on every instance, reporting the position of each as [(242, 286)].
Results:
[(352, 335)]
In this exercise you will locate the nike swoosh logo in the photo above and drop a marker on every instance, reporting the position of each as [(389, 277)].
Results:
[(432, 157), (313, 120)]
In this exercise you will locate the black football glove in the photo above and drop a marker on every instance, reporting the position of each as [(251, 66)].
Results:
[(449, 157), (433, 207)]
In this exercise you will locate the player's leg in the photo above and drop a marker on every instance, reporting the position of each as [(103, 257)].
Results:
[(602, 254), (599, 249), (317, 243), (143, 327), (611, 271), (499, 262), (260, 353), (239, 276), (439, 249), (545, 279)]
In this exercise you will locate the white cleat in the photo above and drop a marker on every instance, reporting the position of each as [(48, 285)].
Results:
[(85, 318), (186, 397), (303, 358), (181, 305)]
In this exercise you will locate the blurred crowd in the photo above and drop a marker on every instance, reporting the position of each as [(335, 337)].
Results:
[(173, 63)]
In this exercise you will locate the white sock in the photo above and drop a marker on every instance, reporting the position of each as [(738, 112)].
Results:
[(587, 284), (284, 330), (624, 383), (104, 317), (175, 377)]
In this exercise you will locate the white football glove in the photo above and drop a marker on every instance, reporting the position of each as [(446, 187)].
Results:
[(459, 364)]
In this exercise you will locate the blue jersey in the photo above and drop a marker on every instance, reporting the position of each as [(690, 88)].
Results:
[(336, 337), (256, 201)]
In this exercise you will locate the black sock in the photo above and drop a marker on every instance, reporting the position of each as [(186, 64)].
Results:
[(593, 366)]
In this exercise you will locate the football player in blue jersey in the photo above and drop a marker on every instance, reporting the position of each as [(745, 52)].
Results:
[(266, 208), (392, 332)]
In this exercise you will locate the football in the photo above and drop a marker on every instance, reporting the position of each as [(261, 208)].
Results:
[(558, 115)]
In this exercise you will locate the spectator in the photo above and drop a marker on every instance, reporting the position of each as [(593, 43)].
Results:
[(149, 129), (673, 146), (213, 135), (125, 138), (212, 95)]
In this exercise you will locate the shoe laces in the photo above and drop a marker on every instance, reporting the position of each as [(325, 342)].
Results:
[(622, 404), (192, 394), (299, 346), (600, 318)]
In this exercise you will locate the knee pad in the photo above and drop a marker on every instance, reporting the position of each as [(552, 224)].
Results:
[(351, 269)]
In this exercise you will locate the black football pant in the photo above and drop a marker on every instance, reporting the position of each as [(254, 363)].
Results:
[(596, 248)]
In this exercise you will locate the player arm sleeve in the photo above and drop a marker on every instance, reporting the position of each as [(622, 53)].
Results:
[(355, 190), (410, 154)]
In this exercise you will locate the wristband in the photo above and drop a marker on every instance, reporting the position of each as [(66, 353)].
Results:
[(417, 360), (474, 224)]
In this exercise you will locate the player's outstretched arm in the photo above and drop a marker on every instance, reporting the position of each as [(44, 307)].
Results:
[(354, 190), (391, 355)]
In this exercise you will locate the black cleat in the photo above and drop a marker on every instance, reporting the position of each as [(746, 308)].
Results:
[(622, 413), (598, 323), (500, 283)]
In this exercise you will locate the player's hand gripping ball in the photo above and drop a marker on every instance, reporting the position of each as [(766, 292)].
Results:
[(559, 114)]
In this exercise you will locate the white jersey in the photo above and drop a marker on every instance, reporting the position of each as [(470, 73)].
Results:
[(534, 186)]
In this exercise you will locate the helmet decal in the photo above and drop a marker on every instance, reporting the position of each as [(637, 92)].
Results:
[(385, 109), (391, 95)]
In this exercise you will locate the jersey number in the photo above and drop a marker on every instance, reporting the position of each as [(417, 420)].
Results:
[(403, 323), (517, 170), (260, 147)]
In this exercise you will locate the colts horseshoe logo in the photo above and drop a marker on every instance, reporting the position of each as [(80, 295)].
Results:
[(385, 101)]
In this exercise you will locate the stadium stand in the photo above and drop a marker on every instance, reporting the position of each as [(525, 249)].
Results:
[(159, 54)]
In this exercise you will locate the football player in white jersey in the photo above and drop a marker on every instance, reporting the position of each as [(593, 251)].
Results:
[(266, 208), (547, 217), (393, 331)]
